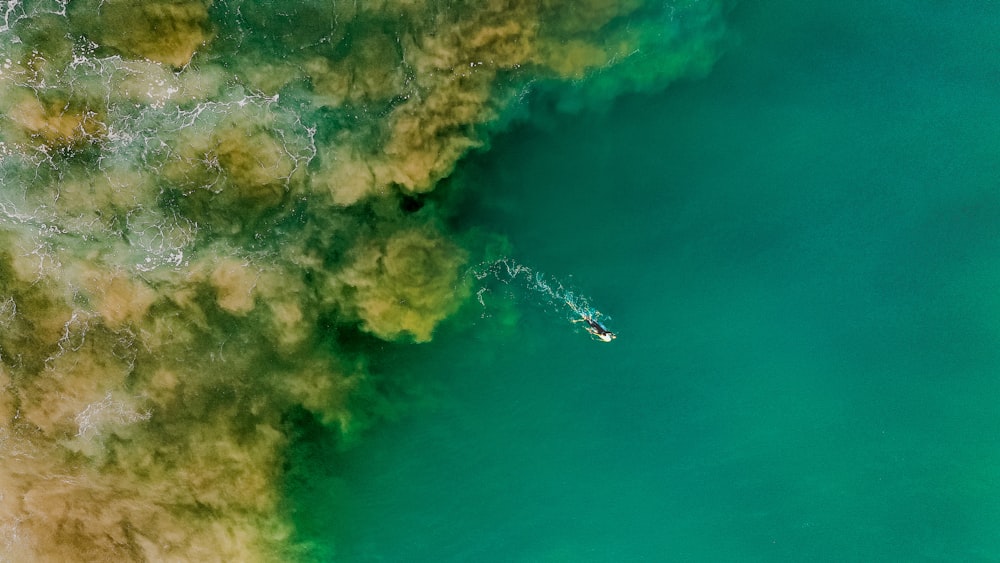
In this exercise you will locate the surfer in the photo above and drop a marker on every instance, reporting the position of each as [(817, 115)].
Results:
[(596, 328), (593, 326)]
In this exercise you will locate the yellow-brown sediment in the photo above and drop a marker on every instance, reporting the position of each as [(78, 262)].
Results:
[(179, 249), (164, 31)]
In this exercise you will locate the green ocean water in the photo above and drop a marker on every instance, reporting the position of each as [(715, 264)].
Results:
[(251, 307), (800, 253)]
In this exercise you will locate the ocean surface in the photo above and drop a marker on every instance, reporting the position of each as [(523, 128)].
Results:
[(800, 253), (296, 281)]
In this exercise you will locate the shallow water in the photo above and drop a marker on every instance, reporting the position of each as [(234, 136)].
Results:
[(800, 254), (223, 233)]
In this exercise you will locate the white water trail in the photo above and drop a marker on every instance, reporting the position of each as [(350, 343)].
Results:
[(549, 291)]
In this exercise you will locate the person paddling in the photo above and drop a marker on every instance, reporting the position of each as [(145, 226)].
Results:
[(596, 328)]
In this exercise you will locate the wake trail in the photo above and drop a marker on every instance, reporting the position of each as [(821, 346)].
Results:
[(546, 290)]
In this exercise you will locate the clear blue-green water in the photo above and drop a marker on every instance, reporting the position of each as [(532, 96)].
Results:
[(800, 253), (268, 280)]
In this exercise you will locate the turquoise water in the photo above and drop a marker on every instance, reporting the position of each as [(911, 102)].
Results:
[(251, 307), (800, 254)]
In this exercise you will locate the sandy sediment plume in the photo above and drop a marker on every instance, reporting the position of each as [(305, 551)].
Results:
[(398, 286), (203, 204), (164, 31), (143, 425)]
